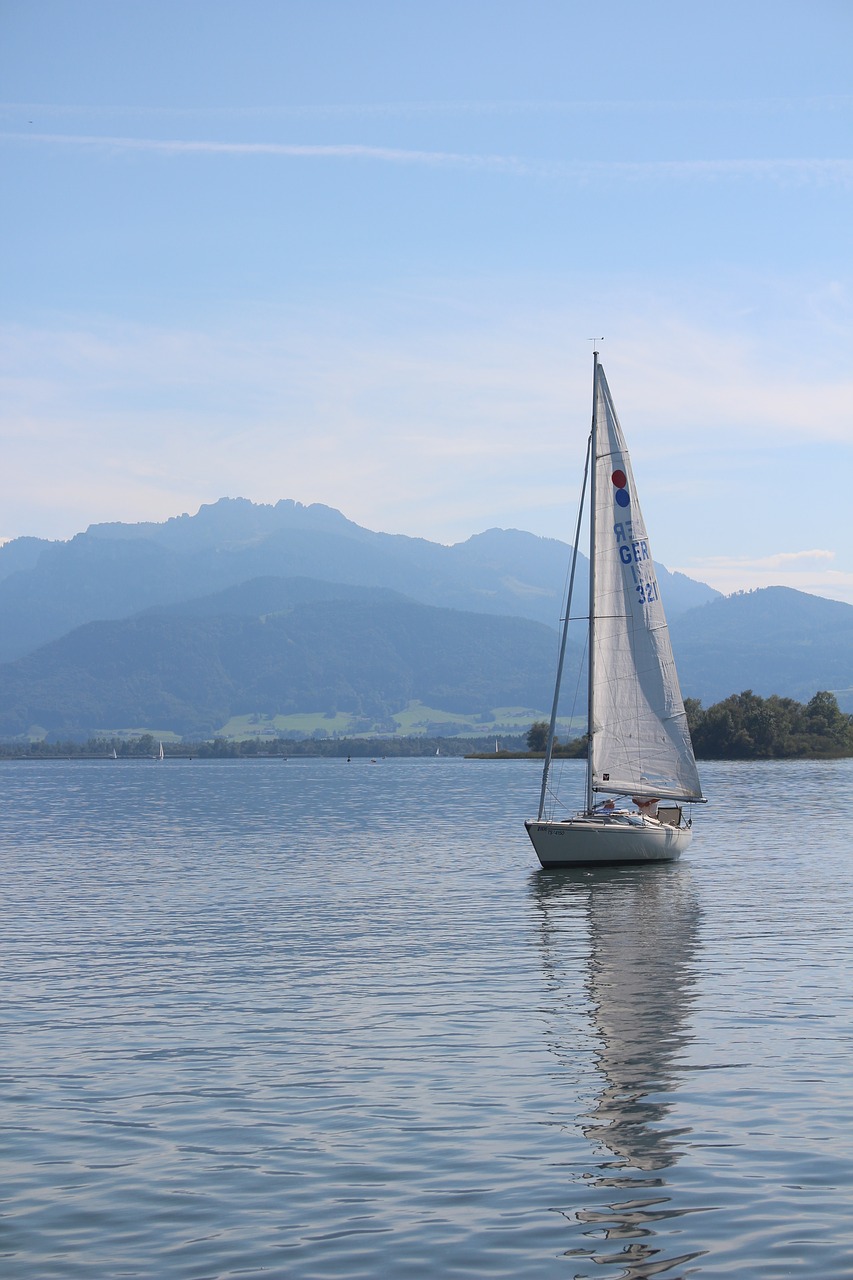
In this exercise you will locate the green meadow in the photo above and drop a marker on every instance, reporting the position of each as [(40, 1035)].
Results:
[(414, 720)]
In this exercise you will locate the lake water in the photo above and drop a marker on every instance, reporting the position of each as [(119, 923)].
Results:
[(318, 1019)]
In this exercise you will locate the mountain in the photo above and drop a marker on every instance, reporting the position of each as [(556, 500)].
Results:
[(273, 647), (358, 656), (773, 640), (114, 571), (257, 611)]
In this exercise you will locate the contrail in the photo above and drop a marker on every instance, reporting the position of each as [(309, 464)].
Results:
[(784, 171)]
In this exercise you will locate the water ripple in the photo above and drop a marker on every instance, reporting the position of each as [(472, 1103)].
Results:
[(312, 1019)]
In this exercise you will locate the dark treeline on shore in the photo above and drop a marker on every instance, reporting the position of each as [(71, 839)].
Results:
[(741, 727), (747, 727)]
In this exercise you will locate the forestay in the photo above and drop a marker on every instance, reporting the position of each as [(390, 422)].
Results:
[(640, 742)]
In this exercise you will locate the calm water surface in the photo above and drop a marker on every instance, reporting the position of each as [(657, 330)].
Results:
[(312, 1019)]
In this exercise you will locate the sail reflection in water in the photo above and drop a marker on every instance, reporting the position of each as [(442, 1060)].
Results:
[(626, 1018)]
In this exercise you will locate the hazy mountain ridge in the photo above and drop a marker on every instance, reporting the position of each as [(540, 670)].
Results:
[(773, 640), (236, 612), (113, 571)]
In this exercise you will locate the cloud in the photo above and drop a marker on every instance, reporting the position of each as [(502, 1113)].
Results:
[(733, 389), (125, 420), (783, 558), (800, 570), (783, 172), (324, 151), (757, 564), (431, 413)]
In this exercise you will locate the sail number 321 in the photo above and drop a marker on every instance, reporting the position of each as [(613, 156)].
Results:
[(632, 553), (647, 591)]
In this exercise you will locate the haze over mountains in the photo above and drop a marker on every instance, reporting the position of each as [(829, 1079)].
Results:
[(265, 614), (115, 570)]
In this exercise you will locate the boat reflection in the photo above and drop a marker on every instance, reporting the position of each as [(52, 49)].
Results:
[(618, 951)]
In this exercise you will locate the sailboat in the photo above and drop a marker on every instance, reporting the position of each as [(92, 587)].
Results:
[(161, 755), (638, 742)]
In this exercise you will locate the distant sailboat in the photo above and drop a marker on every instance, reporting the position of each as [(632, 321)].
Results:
[(638, 741), (162, 754)]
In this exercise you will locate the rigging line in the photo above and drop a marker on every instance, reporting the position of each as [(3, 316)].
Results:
[(554, 784), (550, 744), (566, 596)]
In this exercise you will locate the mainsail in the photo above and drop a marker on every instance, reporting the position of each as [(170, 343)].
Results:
[(640, 743)]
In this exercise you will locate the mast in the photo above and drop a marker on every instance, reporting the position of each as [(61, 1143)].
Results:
[(592, 501)]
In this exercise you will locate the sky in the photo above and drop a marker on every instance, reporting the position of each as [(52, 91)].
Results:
[(354, 251)]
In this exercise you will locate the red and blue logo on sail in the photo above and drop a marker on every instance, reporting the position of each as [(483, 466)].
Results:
[(620, 480)]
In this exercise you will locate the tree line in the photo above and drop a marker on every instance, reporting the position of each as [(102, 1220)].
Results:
[(745, 726)]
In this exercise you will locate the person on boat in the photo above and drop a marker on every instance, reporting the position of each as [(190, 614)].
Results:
[(647, 807), (605, 806)]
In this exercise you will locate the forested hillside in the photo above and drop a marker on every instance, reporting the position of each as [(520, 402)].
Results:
[(771, 641), (363, 657)]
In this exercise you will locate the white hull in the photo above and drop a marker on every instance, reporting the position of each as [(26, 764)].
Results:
[(590, 842)]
